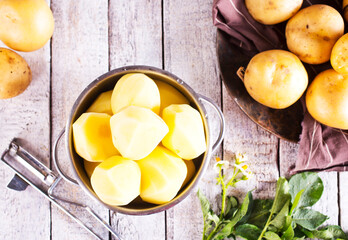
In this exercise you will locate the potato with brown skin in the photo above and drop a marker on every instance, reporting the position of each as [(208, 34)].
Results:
[(272, 11), (339, 55), (15, 74), (275, 78), (327, 99), (26, 25), (313, 31), (345, 9)]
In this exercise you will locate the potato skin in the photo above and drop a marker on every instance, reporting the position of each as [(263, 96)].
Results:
[(275, 78), (272, 11), (313, 31), (25, 25), (339, 55), (327, 99), (15, 74)]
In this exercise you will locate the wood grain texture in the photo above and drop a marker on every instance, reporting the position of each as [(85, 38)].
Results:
[(79, 55), (343, 194), (26, 117), (135, 37), (328, 204), (189, 53)]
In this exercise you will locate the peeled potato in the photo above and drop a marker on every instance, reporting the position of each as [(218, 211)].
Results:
[(90, 166), (162, 175), (327, 99), (136, 131), (186, 135), (102, 104), (116, 181), (275, 78), (339, 53), (26, 25), (169, 95), (191, 170), (135, 89), (272, 11), (92, 137), (15, 74), (313, 31)]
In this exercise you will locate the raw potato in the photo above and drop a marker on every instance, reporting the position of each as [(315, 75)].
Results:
[(186, 135), (92, 137), (135, 89), (339, 55), (162, 175), (313, 31), (327, 99), (136, 131), (272, 11), (116, 181), (275, 78), (191, 170), (26, 25), (89, 167), (345, 9), (102, 104), (169, 95), (15, 74)]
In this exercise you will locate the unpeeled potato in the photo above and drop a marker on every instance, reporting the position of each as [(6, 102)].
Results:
[(339, 53), (26, 25), (327, 99), (313, 31), (272, 11), (15, 74)]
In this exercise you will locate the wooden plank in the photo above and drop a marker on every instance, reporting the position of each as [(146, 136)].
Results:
[(328, 204), (79, 55), (26, 215), (189, 48), (135, 38), (343, 194)]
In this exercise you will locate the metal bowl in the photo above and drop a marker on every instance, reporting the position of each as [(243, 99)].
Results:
[(107, 82)]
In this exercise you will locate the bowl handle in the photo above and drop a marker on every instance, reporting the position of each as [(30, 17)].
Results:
[(55, 160), (221, 120)]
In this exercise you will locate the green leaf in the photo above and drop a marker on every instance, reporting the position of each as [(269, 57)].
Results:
[(282, 195), (296, 201), (260, 212), (271, 236), (224, 231), (309, 218), (279, 221), (330, 232), (245, 210), (312, 185), (289, 233), (248, 231), (231, 206), (205, 205), (208, 215)]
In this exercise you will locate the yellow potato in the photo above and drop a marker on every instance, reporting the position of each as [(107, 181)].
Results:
[(186, 135), (102, 104), (135, 89), (275, 78), (327, 99), (15, 74), (116, 181), (339, 55), (136, 131), (162, 175), (169, 95), (313, 31), (26, 25), (345, 9), (191, 170), (272, 11), (92, 137)]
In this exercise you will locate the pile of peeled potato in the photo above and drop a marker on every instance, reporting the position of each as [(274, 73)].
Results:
[(314, 35), (26, 26)]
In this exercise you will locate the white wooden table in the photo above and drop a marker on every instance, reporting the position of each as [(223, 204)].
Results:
[(95, 36)]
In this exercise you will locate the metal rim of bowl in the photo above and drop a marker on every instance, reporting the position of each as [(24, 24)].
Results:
[(206, 155)]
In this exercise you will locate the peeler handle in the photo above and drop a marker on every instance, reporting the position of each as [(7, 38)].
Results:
[(55, 160), (221, 120)]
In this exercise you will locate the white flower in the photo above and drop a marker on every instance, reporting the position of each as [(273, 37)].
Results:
[(242, 169), (221, 163), (240, 158)]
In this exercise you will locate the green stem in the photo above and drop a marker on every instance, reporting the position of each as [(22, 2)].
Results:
[(266, 226)]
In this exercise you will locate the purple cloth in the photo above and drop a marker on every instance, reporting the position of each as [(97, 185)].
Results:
[(321, 148)]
